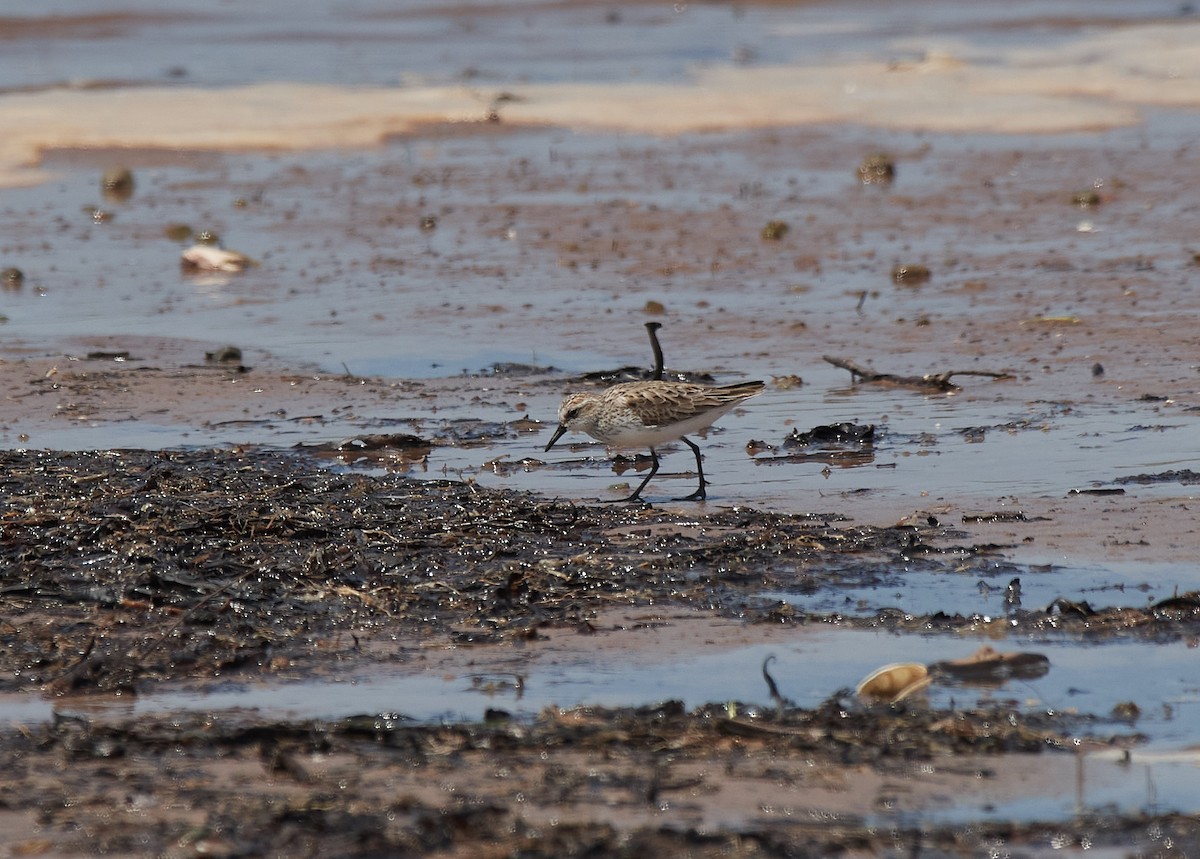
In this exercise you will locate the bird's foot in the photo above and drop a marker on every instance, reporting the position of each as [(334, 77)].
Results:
[(700, 494), (629, 499)]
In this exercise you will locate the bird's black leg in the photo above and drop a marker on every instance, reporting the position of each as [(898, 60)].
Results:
[(699, 494), (637, 492)]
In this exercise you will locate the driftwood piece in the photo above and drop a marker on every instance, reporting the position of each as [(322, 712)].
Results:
[(928, 382), (987, 666), (652, 330)]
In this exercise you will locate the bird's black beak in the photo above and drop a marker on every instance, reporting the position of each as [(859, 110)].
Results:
[(558, 433)]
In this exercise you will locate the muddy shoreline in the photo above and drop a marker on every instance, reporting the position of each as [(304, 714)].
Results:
[(452, 226), (128, 570)]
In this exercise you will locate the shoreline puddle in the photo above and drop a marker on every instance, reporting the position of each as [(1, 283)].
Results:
[(808, 668)]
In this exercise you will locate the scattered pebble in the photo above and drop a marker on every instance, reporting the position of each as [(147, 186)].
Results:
[(117, 184), (877, 169), (774, 230), (911, 274)]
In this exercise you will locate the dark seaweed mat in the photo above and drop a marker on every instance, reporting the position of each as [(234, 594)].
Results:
[(119, 567), (161, 564)]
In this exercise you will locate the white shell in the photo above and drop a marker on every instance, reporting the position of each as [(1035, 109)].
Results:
[(894, 682), (209, 258)]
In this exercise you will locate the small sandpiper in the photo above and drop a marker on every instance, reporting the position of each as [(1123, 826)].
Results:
[(649, 414)]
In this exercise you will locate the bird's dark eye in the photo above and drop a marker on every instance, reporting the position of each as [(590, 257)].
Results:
[(571, 414)]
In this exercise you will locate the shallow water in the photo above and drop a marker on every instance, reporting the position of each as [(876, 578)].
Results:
[(809, 665), (807, 670)]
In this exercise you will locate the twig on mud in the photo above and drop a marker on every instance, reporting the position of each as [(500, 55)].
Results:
[(930, 381), (364, 597), (74, 666), (652, 330), (133, 654), (425, 586), (779, 700), (381, 535)]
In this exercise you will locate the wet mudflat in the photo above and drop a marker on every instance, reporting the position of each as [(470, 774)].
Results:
[(233, 562), (328, 596)]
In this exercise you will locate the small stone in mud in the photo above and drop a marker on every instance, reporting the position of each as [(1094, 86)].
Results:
[(911, 274), (877, 169), (12, 278), (117, 184), (654, 308), (429, 223), (1087, 199), (224, 355), (1097, 370), (774, 230), (177, 232), (1126, 711), (756, 446)]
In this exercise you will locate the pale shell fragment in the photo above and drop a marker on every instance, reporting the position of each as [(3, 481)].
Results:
[(209, 258), (894, 682)]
